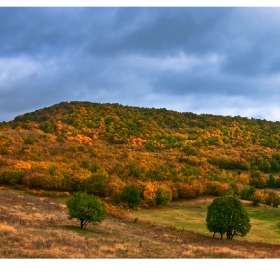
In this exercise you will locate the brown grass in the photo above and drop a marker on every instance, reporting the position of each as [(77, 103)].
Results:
[(34, 227)]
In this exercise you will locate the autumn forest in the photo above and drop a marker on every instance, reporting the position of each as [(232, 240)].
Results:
[(165, 155)]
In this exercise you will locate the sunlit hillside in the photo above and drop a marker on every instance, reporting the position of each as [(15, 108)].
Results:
[(102, 148)]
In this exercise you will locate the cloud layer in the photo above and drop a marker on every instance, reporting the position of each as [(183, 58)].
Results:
[(204, 60)]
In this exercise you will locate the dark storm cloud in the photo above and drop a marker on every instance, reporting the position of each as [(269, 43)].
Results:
[(205, 60), (162, 31)]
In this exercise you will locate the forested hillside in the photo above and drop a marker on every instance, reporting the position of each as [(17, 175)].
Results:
[(102, 148)]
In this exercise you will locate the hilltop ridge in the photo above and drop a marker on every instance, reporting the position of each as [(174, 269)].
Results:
[(64, 146)]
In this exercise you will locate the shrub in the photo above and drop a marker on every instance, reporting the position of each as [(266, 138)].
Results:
[(131, 196), (271, 198), (174, 192), (258, 179), (149, 194), (11, 176), (185, 190), (37, 180), (114, 189), (217, 188), (247, 192), (163, 195), (29, 140), (97, 182), (257, 198)]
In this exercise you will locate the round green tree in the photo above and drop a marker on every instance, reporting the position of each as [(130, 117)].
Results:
[(97, 182), (226, 214), (163, 195), (131, 196), (86, 208)]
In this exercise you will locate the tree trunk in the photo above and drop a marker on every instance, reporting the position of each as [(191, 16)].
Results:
[(82, 223)]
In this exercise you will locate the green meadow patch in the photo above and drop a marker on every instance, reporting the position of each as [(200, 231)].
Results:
[(191, 215)]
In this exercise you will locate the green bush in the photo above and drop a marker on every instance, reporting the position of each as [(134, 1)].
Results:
[(30, 140), (97, 182), (247, 192), (163, 195), (11, 176), (131, 196), (256, 199)]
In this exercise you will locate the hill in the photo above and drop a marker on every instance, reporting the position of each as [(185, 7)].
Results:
[(103, 147)]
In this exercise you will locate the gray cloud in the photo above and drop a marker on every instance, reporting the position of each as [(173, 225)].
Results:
[(206, 60), (162, 31)]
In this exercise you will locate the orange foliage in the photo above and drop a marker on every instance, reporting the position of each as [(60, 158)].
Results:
[(80, 139), (150, 194), (185, 190), (216, 188), (52, 138), (32, 125), (59, 125), (23, 165)]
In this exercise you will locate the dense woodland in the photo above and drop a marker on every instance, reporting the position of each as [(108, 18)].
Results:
[(163, 154)]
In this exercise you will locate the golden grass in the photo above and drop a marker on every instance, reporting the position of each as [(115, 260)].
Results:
[(33, 227)]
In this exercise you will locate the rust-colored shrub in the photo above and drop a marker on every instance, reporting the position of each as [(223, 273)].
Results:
[(185, 190)]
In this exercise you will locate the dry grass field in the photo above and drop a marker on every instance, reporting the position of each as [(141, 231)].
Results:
[(38, 227)]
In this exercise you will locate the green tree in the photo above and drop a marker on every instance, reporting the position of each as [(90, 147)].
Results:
[(131, 196), (265, 166), (247, 192), (163, 195), (226, 214), (257, 179), (272, 198), (271, 182), (86, 208), (97, 182)]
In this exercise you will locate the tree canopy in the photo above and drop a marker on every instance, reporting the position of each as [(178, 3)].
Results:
[(86, 208), (131, 196), (226, 214)]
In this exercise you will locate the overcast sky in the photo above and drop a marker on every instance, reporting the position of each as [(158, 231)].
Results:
[(222, 61)]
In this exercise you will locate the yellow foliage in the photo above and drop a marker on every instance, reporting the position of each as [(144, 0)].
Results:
[(115, 211), (244, 178), (114, 188), (150, 193)]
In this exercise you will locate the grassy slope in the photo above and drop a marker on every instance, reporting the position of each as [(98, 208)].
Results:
[(191, 215), (36, 227)]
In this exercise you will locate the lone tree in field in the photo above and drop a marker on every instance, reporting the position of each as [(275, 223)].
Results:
[(86, 208), (226, 214)]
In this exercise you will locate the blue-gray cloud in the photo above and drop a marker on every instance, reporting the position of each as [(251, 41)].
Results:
[(205, 60)]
